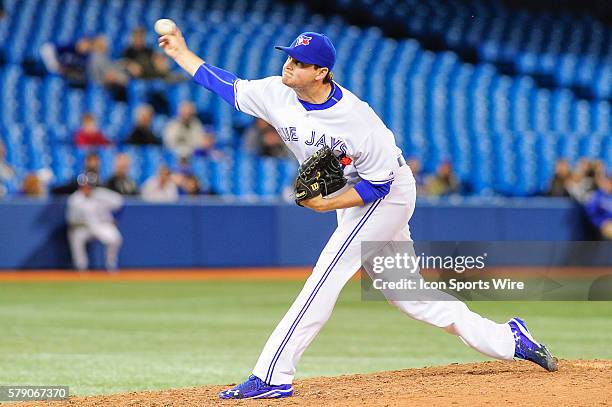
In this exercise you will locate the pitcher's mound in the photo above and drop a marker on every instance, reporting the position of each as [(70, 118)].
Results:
[(577, 383)]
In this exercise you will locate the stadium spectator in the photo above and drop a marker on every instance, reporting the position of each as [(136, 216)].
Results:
[(415, 166), (32, 187), (189, 185), (162, 69), (262, 139), (160, 187), (102, 70), (185, 134), (36, 184), (443, 182), (120, 181), (271, 144), (599, 168), (252, 135), (143, 63), (7, 174), (91, 166), (582, 183), (599, 206), (89, 134), (68, 60), (561, 179), (183, 167), (138, 57), (142, 133), (90, 216), (186, 181), (92, 163)]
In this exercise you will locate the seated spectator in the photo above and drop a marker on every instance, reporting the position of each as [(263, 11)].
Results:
[(120, 181), (7, 174), (160, 187), (44, 177), (189, 185), (599, 207), (559, 183), (31, 186), (185, 134), (599, 168), (183, 167), (271, 144), (252, 135), (90, 216), (262, 139), (415, 166), (582, 182), (187, 182), (143, 63), (142, 133), (138, 58), (91, 166), (102, 70), (68, 60), (162, 69), (443, 182), (89, 134)]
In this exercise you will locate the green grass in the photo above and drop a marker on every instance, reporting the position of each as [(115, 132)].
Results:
[(106, 337)]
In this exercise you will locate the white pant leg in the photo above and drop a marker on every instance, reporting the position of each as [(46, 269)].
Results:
[(109, 235), (485, 336), (339, 261), (78, 236)]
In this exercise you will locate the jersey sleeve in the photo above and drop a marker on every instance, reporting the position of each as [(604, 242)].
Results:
[(217, 81), (370, 192), (375, 162), (375, 155), (253, 96)]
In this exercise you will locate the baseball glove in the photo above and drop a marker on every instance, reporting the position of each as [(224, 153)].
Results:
[(321, 174)]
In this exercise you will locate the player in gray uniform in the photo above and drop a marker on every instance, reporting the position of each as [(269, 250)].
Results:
[(90, 216), (310, 110)]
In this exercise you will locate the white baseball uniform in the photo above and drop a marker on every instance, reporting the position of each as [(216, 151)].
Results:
[(346, 124), (92, 218)]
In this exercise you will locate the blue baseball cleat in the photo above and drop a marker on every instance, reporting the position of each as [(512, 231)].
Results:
[(255, 388), (528, 349)]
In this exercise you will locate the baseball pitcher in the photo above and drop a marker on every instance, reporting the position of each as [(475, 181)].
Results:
[(316, 117)]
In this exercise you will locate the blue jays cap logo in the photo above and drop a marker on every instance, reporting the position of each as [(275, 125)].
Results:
[(317, 49), (302, 40)]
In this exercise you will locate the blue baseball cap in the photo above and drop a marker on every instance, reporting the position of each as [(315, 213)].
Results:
[(312, 48)]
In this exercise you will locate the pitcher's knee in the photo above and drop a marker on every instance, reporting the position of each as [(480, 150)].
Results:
[(414, 309)]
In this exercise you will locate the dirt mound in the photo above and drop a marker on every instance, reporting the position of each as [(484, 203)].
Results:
[(577, 383)]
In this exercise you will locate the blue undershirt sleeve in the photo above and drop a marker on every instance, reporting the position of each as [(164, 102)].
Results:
[(370, 192), (217, 81)]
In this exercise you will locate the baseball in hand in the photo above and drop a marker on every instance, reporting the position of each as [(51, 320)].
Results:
[(164, 26)]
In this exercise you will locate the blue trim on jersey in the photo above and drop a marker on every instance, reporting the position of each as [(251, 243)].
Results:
[(217, 81), (384, 181), (370, 192), (343, 248), (335, 96)]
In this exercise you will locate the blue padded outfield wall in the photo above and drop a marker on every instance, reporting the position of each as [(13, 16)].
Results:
[(214, 234)]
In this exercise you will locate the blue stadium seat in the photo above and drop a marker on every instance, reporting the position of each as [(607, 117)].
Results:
[(492, 119)]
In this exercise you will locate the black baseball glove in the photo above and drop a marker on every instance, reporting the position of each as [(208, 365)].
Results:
[(321, 174)]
